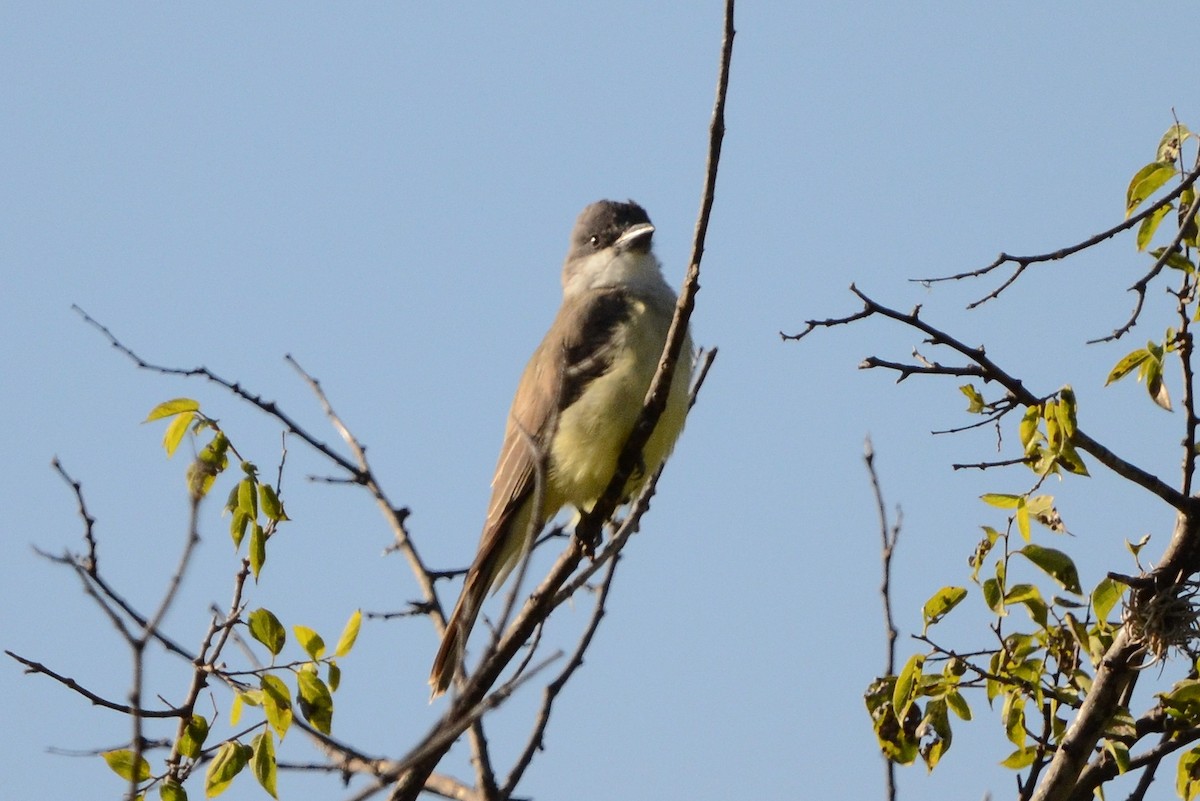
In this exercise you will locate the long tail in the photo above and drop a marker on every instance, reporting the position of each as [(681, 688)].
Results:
[(454, 642)]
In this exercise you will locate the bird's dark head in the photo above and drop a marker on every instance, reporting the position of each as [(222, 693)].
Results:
[(606, 223)]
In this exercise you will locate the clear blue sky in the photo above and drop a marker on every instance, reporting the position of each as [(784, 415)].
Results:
[(385, 192)]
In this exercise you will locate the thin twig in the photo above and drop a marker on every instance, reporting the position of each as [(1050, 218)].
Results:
[(1024, 262), (889, 536)]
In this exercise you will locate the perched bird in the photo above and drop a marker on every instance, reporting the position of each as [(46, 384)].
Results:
[(577, 402)]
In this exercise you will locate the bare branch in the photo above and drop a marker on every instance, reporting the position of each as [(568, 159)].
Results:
[(1023, 262), (555, 687), (1140, 286), (1016, 388), (98, 700)]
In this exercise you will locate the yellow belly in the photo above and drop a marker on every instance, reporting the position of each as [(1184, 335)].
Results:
[(593, 430)]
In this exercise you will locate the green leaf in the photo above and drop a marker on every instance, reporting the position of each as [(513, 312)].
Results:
[(1146, 182), (171, 408), (237, 526), (226, 764), (248, 498), (194, 735), (1023, 519), (316, 704), (1028, 430), (975, 402), (310, 641), (1056, 564), (1171, 142), (1072, 462), (993, 596), (1019, 759), (267, 629), (1105, 597), (270, 504), (1187, 775), (169, 790), (940, 604), (1136, 547), (1127, 365), (1014, 719), (123, 764), (958, 704), (1190, 230), (175, 433), (258, 549), (1031, 598), (906, 682), (1149, 225), (349, 634), (1001, 501), (335, 676), (934, 733), (1155, 385), (1175, 260), (263, 747), (277, 703)]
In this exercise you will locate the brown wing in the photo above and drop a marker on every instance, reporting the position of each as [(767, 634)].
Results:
[(575, 350)]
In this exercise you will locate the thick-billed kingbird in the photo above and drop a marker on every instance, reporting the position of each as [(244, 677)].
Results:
[(577, 402)]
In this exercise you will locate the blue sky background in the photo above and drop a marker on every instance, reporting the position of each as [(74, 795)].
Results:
[(385, 192)]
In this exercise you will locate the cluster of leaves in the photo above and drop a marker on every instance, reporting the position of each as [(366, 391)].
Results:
[(255, 508), (1045, 668), (1041, 670), (1148, 361)]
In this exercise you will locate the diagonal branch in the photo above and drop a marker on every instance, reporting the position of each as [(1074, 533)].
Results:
[(1024, 262), (993, 372)]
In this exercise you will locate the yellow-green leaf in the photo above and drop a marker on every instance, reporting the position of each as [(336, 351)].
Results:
[(349, 634), (124, 765), (171, 791), (934, 733), (316, 703), (248, 498), (940, 604), (1028, 429), (1023, 519), (258, 549), (267, 629), (975, 401), (335, 676), (1019, 759), (237, 527), (1056, 564), (1187, 775), (226, 764), (194, 735), (310, 641), (277, 703), (1171, 142), (263, 747), (958, 704), (171, 408), (908, 680), (1149, 225), (1146, 182), (993, 596), (1155, 385), (1105, 597), (1175, 260), (1001, 501), (175, 433), (270, 504)]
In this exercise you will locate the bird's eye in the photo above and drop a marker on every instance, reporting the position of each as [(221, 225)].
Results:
[(595, 240)]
